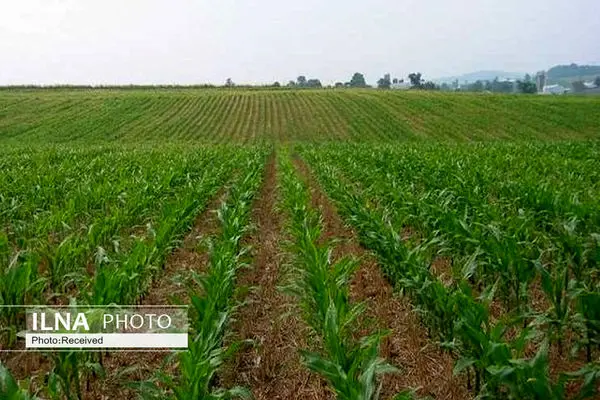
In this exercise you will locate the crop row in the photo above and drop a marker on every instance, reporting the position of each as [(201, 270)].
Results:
[(459, 204), (212, 301), (219, 116), (349, 363), (122, 271), (61, 245)]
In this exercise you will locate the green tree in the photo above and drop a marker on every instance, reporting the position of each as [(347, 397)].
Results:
[(578, 86), (415, 79), (358, 80), (527, 87), (301, 81), (385, 82), (429, 85), (597, 81), (313, 83), (477, 86)]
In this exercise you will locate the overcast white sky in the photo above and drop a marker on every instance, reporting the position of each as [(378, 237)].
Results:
[(260, 41)]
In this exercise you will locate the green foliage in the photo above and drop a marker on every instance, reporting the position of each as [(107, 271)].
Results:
[(357, 81), (578, 86), (415, 79), (527, 87), (385, 82), (156, 117), (9, 387), (212, 301), (351, 366), (572, 70), (508, 219), (108, 260)]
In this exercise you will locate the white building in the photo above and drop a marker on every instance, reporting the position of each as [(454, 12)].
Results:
[(555, 89), (400, 86)]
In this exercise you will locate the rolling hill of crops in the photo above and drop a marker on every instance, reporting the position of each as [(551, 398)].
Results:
[(288, 115), (352, 244)]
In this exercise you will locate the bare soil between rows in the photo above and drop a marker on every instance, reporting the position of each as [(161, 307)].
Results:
[(123, 368), (422, 364), (271, 367)]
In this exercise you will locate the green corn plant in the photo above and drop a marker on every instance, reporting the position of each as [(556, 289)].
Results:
[(590, 373), (558, 288), (477, 341), (20, 284), (350, 366), (526, 379), (70, 370), (64, 380), (410, 395), (212, 300), (587, 318), (10, 389)]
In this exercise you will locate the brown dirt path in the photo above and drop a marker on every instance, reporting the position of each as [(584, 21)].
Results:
[(272, 368), (422, 364), (189, 256)]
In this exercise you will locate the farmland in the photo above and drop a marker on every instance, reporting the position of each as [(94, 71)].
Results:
[(349, 244), (242, 116)]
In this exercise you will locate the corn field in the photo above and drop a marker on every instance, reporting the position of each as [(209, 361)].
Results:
[(283, 115), (480, 213)]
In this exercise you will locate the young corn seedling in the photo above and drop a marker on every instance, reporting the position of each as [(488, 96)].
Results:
[(558, 288), (20, 284), (213, 304), (525, 379), (9, 387), (351, 366), (587, 301)]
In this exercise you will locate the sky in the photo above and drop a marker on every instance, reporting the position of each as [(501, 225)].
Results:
[(262, 41)]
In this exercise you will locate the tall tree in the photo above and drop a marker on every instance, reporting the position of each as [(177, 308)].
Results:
[(429, 85), (301, 81), (597, 81), (358, 80), (415, 79), (385, 82), (578, 86), (527, 87), (313, 83)]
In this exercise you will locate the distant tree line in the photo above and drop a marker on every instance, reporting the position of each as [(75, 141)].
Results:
[(572, 70), (356, 81), (581, 86), (526, 85)]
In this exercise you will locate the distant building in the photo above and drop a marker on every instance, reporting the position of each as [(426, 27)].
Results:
[(555, 89), (593, 91), (400, 85), (540, 81), (589, 85)]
